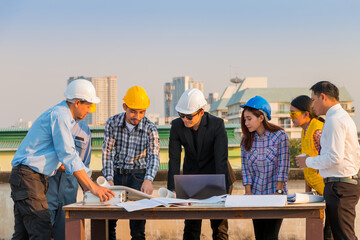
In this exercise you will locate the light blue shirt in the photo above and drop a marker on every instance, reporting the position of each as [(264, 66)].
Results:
[(63, 187), (50, 143)]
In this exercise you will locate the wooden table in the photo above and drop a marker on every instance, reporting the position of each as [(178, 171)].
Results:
[(76, 214)]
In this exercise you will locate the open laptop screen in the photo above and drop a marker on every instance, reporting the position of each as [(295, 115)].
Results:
[(199, 186)]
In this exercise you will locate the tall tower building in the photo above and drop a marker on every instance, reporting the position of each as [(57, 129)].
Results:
[(173, 91), (106, 90)]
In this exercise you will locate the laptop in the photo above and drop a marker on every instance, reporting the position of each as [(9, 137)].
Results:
[(199, 186)]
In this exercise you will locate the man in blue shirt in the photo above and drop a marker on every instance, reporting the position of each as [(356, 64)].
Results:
[(63, 187), (48, 145)]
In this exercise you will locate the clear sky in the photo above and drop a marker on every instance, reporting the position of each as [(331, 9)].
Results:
[(147, 43)]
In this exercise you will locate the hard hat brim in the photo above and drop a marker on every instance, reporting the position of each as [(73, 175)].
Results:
[(95, 100)]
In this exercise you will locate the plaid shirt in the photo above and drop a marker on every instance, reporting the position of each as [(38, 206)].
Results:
[(266, 163), (138, 149)]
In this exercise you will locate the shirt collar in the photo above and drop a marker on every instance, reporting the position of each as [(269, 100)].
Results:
[(333, 109), (265, 134), (141, 124), (203, 120), (66, 106)]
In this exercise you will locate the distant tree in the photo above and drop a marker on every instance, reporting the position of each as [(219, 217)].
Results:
[(295, 149)]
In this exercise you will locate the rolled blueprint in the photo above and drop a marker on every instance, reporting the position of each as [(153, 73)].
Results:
[(165, 193), (101, 181)]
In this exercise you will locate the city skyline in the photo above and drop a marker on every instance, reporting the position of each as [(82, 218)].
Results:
[(148, 43)]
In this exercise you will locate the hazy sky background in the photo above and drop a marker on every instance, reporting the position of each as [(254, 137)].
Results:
[(147, 43)]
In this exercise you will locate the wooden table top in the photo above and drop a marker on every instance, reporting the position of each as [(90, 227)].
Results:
[(80, 206)]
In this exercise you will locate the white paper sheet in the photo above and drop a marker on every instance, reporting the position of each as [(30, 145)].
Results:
[(304, 198), (214, 199), (255, 201), (167, 202), (138, 205), (175, 201)]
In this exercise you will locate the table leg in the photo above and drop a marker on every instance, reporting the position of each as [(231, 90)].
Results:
[(74, 229), (99, 229), (314, 229)]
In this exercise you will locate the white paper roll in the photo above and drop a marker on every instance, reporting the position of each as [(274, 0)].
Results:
[(302, 155), (101, 181), (165, 193)]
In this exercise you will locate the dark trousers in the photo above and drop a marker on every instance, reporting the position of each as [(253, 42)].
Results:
[(341, 199), (28, 191), (267, 229), (327, 230), (137, 227), (192, 229)]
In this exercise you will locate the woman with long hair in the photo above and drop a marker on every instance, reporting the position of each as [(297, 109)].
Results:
[(265, 160), (303, 116)]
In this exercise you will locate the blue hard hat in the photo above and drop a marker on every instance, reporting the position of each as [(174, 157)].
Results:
[(259, 103)]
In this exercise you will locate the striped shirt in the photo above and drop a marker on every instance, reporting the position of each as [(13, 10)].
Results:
[(266, 163), (138, 149)]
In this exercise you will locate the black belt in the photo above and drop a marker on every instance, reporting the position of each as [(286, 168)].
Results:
[(351, 180), (129, 171)]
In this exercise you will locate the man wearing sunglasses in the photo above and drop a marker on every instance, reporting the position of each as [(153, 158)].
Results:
[(205, 141)]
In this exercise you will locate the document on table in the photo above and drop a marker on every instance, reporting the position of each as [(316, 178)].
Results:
[(151, 203), (213, 199), (255, 201), (167, 202), (304, 198), (138, 205)]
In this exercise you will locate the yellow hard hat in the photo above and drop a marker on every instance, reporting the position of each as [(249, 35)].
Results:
[(136, 98)]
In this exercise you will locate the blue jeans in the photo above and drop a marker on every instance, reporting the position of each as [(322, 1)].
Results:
[(137, 227)]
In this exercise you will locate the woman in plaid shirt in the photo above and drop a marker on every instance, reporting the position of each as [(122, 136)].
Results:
[(265, 160)]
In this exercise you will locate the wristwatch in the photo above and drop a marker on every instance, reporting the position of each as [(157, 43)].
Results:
[(279, 191)]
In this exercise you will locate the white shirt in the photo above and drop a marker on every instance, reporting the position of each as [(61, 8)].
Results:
[(340, 150), (129, 126)]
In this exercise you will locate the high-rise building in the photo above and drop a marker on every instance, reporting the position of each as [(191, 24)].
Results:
[(173, 91), (213, 97), (106, 90)]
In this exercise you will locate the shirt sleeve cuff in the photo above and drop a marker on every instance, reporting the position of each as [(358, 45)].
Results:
[(149, 178), (247, 183), (308, 162), (109, 178), (74, 166)]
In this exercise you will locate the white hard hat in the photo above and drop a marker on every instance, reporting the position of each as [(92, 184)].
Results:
[(191, 101), (81, 89)]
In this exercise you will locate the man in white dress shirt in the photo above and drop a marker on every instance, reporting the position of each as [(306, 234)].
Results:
[(338, 161)]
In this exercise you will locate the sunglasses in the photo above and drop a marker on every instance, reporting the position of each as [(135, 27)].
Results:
[(295, 115), (189, 116)]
